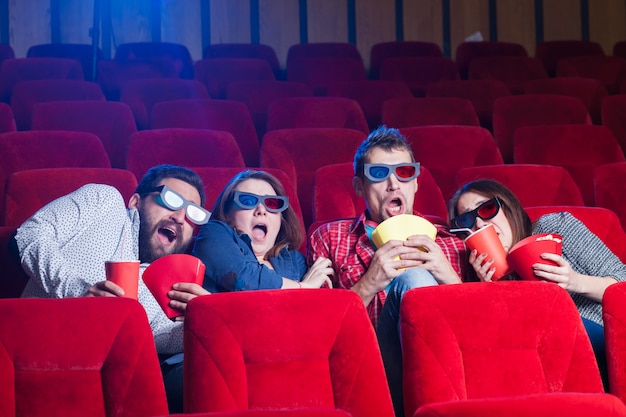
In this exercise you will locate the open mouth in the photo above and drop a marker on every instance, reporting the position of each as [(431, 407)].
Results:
[(395, 207), (259, 231), (167, 235)]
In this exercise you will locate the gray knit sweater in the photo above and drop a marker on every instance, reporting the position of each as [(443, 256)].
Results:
[(587, 255)]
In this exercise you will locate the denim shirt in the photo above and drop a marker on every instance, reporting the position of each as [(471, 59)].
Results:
[(231, 265)]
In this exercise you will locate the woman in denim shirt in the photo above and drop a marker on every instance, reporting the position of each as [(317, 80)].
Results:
[(251, 241)]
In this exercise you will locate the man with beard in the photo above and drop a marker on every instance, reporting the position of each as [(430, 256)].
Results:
[(63, 248), (385, 175)]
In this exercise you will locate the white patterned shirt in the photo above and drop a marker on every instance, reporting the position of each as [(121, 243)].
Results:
[(63, 248)]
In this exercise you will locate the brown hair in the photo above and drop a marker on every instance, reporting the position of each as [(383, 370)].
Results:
[(519, 221), (290, 233), (386, 138)]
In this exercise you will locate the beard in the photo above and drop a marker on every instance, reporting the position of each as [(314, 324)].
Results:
[(150, 248)]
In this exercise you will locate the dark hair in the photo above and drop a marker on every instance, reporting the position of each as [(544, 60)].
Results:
[(290, 233), (519, 221), (156, 174), (386, 138)]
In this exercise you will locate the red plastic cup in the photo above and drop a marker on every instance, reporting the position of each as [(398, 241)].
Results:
[(486, 240), (527, 252), (166, 271), (125, 274)]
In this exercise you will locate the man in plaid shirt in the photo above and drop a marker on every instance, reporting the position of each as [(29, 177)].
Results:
[(386, 177)]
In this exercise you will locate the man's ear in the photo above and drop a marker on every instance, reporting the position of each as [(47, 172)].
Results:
[(357, 184), (133, 203)]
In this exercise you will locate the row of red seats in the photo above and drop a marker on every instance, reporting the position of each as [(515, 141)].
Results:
[(256, 107), (319, 354), (548, 53), (444, 150), (300, 152)]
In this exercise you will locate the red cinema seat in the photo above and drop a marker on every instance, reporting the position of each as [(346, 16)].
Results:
[(111, 121), (316, 112), (184, 147), (323, 49), (609, 70), (370, 94), (258, 95), (228, 115), (608, 188), (322, 63), (112, 74), (591, 92), (7, 120), (613, 109), (218, 73), (457, 364), (579, 149), (28, 191), (513, 71), (534, 185), (267, 360), (613, 315), (467, 51), (141, 95), (511, 113), (550, 52), (418, 72), (83, 53), (83, 356), (175, 54), (482, 94), (245, 50), (15, 70), (394, 49), (320, 73), (428, 111), (26, 94), (20, 151)]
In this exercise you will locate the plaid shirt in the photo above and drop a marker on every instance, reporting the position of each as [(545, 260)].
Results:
[(346, 244)]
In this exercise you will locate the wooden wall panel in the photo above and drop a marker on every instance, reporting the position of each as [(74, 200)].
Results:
[(607, 22), (561, 20), (423, 21), (375, 22), (29, 24), (279, 25), (76, 21), (327, 20), (131, 21), (466, 18), (230, 21), (181, 23), (516, 23)]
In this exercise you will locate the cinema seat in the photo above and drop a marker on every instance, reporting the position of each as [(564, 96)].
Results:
[(28, 191), (456, 363), (81, 356), (253, 350), (32, 149), (184, 147)]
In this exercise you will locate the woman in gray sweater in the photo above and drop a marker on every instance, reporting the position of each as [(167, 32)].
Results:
[(585, 269)]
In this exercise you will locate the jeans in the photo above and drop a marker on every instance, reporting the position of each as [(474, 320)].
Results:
[(596, 336), (388, 329)]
